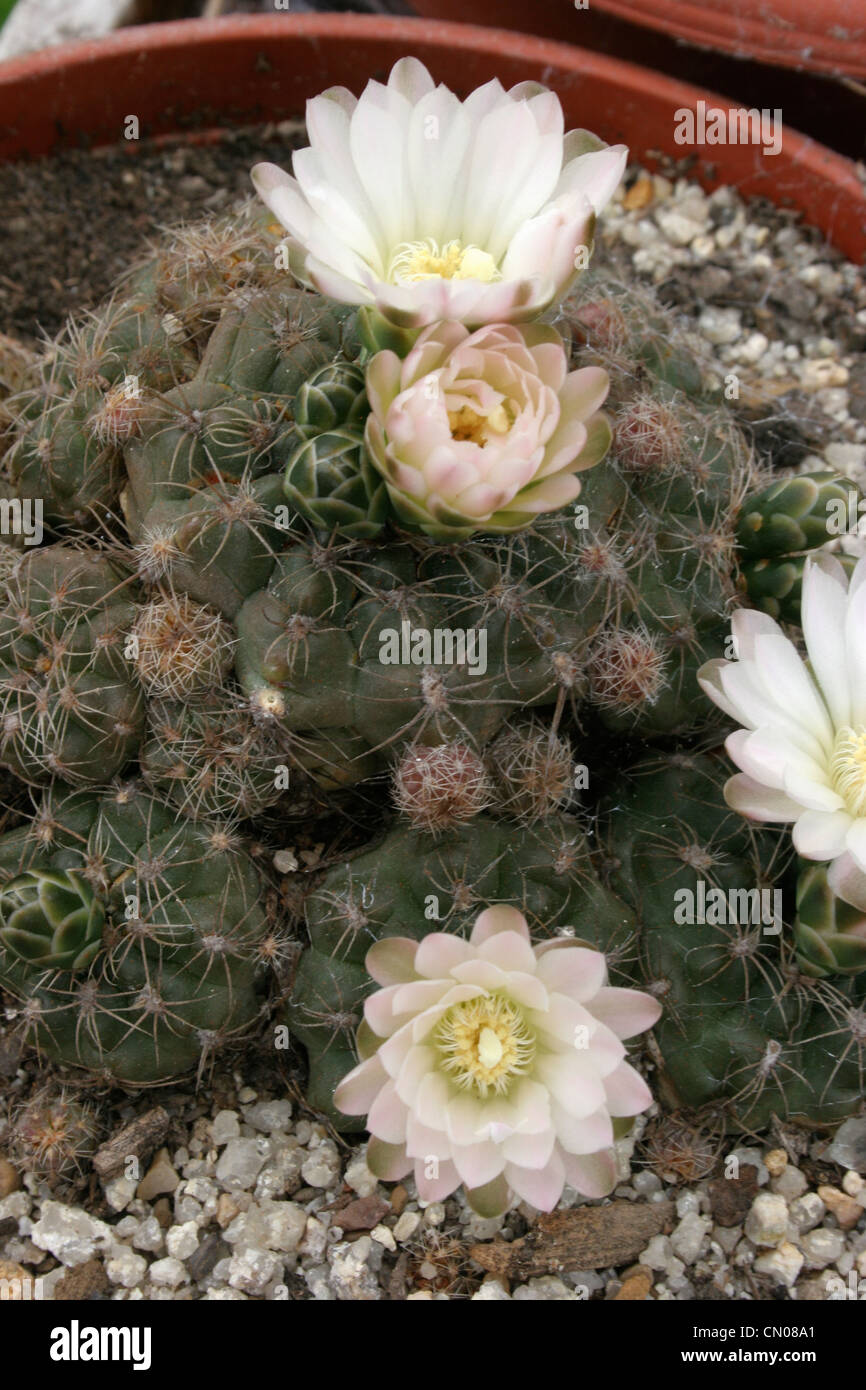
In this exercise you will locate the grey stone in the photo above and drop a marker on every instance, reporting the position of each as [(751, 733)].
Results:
[(767, 1221), (252, 1270), (203, 1259), (782, 1264), (181, 1241), (821, 1247), (790, 1183), (124, 1267), (269, 1115), (491, 1291), (268, 1226), (321, 1167), (545, 1289), (240, 1163), (359, 1177), (848, 1148), (351, 1277), (70, 1234), (168, 1273), (225, 1126), (688, 1237), (807, 1211)]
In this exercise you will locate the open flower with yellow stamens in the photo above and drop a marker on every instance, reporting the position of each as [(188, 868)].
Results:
[(802, 750), (427, 208), (495, 1063), (484, 430)]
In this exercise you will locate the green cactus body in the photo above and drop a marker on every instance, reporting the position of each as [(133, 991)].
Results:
[(51, 919), (377, 647), (413, 883), (830, 935), (71, 704), (329, 479), (202, 489), (792, 514), (779, 526), (131, 937), (211, 758), (205, 502), (131, 343), (62, 460), (743, 1031)]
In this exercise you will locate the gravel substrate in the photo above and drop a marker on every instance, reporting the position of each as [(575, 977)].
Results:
[(245, 1195), (262, 1202)]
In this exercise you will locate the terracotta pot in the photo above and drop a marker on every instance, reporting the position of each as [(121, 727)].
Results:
[(820, 104), (198, 75), (818, 35), (814, 35)]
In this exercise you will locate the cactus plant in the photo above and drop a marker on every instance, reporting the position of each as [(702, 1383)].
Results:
[(71, 706), (830, 934), (683, 897), (290, 602), (744, 1030), (780, 525), (51, 919), (548, 874), (130, 936), (55, 1133)]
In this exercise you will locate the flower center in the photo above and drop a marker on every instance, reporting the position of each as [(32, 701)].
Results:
[(467, 423), (485, 1043), (848, 767), (426, 260)]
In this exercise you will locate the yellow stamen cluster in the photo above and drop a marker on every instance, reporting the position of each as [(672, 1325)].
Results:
[(467, 423), (426, 260), (485, 1044), (848, 767)]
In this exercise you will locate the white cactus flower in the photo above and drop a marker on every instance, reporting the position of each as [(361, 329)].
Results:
[(802, 748), (428, 208)]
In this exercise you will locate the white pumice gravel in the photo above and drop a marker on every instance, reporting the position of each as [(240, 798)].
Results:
[(287, 1241), (766, 296)]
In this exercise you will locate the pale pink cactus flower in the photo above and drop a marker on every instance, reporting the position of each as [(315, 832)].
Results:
[(496, 1064), (483, 430)]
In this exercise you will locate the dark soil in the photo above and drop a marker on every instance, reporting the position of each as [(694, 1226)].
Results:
[(74, 222)]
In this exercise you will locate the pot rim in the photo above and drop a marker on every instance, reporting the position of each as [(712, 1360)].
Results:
[(803, 40), (822, 184)]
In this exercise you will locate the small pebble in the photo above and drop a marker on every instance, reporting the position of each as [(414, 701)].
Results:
[(167, 1273), (406, 1226), (807, 1211), (846, 1210), (790, 1183), (383, 1235), (767, 1221), (160, 1177), (821, 1247), (782, 1264)]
